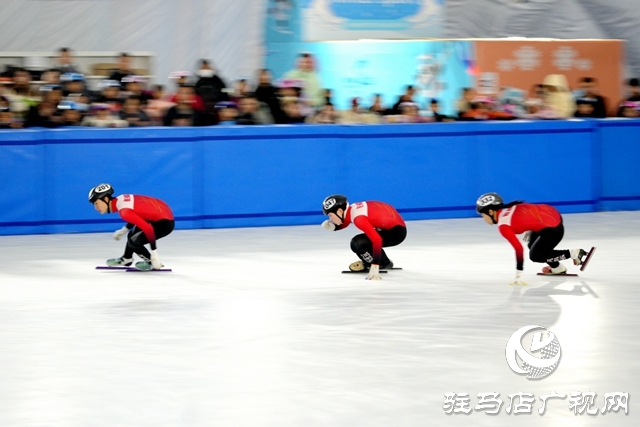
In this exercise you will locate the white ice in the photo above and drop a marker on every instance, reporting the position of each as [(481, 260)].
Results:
[(258, 327)]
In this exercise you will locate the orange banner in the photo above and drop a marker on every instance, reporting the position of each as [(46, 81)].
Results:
[(524, 63)]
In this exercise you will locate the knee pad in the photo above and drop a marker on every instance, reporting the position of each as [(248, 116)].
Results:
[(360, 244)]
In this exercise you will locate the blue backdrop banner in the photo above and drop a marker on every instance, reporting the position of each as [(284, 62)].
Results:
[(279, 175)]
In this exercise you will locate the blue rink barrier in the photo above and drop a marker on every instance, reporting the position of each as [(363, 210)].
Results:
[(278, 175)]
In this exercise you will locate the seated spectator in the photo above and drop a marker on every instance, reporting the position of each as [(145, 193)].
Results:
[(20, 96), (434, 107), (240, 91), (251, 112), (328, 94), (588, 92), (586, 108), (558, 96), (132, 112), (71, 114), (377, 106), (183, 113), (227, 113), (464, 103), (633, 88), (326, 115), (406, 97), (535, 99), (100, 115), (51, 77), (73, 83), (409, 113), (110, 94), (629, 109), (356, 115), (45, 114), (157, 106), (135, 85), (64, 62), (292, 112), (8, 120), (124, 68), (482, 108), (289, 91)]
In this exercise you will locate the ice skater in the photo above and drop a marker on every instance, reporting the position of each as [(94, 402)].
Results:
[(542, 228), (382, 225), (148, 219)]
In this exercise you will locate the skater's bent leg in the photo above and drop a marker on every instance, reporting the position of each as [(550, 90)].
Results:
[(136, 244), (163, 228), (391, 237), (542, 249), (362, 246)]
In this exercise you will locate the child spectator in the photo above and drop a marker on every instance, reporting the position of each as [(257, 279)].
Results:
[(157, 106), (44, 114), (71, 114), (183, 113), (100, 115), (132, 112), (227, 113), (110, 94)]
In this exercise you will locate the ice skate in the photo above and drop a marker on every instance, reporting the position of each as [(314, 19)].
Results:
[(559, 270), (119, 262), (146, 266), (358, 266), (388, 266), (578, 256)]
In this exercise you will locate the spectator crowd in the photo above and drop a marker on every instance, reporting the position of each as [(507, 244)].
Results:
[(124, 99)]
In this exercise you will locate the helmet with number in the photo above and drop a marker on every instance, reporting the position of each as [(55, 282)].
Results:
[(488, 201), (333, 203), (99, 191)]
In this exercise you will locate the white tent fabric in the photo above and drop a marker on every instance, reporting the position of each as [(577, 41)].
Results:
[(563, 19), (229, 32)]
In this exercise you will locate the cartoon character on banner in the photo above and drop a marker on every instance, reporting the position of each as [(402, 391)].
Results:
[(281, 10), (430, 69)]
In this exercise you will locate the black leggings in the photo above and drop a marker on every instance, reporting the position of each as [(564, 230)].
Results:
[(542, 246), (137, 239), (363, 247)]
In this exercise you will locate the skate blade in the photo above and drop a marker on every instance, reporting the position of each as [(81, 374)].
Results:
[(112, 267), (367, 271), (558, 275), (587, 259), (155, 270), (361, 272)]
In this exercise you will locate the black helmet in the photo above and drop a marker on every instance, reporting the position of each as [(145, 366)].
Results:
[(333, 203), (99, 191), (488, 201)]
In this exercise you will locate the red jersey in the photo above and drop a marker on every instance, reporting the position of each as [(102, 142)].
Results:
[(140, 211), (370, 217), (522, 218)]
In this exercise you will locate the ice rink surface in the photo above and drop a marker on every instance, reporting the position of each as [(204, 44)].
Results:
[(258, 327)]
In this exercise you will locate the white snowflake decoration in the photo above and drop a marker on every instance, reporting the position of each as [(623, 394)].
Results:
[(583, 64), (565, 56), (527, 58), (505, 65)]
